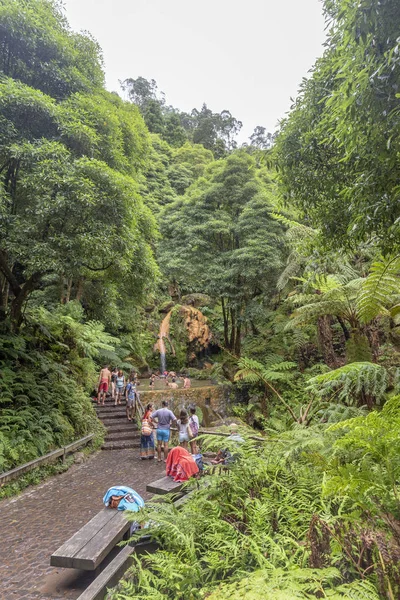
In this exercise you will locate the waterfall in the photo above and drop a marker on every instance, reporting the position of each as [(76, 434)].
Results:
[(164, 331), (163, 362)]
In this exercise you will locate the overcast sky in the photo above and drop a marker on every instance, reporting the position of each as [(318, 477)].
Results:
[(247, 57)]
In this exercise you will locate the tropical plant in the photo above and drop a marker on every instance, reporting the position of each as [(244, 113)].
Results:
[(358, 383), (252, 371), (380, 290)]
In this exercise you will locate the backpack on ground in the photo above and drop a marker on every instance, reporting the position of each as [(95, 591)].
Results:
[(199, 461)]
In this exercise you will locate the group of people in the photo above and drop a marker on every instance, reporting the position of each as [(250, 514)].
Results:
[(159, 422), (120, 387), (170, 379)]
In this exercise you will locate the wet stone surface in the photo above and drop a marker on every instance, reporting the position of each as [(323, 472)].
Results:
[(34, 524)]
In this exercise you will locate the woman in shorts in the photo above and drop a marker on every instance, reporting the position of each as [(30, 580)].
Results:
[(119, 387)]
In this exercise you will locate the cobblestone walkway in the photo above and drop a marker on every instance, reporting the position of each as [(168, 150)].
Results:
[(42, 518)]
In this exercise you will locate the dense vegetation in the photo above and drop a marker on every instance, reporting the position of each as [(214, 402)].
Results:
[(114, 211)]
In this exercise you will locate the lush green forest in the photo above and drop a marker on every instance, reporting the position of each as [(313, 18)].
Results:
[(115, 211)]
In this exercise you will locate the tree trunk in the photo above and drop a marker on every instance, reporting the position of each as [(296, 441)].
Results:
[(4, 291), (68, 293), (79, 291), (238, 340), (372, 333), (233, 330), (325, 341), (225, 318), (20, 298), (346, 332)]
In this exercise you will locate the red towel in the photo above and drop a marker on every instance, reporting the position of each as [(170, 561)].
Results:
[(181, 465)]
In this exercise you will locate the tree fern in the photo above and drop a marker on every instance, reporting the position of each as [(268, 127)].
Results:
[(355, 383), (252, 371), (380, 289)]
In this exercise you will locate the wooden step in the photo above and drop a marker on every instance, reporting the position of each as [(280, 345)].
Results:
[(111, 410), (122, 427), (121, 435), (121, 445), (112, 419)]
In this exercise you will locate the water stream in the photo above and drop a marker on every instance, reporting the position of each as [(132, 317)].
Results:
[(164, 332)]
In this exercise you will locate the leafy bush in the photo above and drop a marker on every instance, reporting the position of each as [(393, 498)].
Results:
[(44, 375), (310, 513)]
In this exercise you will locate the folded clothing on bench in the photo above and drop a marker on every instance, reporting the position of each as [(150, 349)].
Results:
[(130, 500)]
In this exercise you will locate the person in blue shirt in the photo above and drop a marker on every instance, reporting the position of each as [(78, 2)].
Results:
[(164, 418)]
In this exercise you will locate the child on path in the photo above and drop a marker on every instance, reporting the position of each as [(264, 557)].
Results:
[(194, 426)]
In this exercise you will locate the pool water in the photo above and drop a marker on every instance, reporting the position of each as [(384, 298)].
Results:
[(159, 384)]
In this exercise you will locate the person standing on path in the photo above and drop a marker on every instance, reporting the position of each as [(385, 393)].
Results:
[(104, 383), (119, 387), (195, 426), (131, 401), (186, 383), (147, 436), (164, 418), (113, 382)]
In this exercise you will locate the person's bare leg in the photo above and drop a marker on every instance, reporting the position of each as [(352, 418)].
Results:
[(159, 450), (165, 451), (184, 445)]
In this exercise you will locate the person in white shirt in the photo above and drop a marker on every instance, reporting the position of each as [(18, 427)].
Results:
[(195, 426)]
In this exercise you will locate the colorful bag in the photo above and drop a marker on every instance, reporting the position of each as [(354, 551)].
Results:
[(114, 501), (146, 428), (194, 427), (189, 431)]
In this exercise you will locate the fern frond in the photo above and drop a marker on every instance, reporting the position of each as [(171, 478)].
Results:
[(380, 288)]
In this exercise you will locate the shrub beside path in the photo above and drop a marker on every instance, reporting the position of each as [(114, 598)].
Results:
[(42, 518)]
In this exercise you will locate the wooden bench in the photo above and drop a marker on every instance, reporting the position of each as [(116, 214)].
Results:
[(91, 544), (110, 576), (165, 485)]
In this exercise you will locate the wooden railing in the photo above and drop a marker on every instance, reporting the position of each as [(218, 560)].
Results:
[(45, 460)]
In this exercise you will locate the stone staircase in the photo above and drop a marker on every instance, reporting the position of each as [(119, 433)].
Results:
[(121, 433)]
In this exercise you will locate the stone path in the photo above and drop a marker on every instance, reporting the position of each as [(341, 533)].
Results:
[(42, 518)]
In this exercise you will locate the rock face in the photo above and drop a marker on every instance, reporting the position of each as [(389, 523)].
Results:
[(188, 335), (196, 325)]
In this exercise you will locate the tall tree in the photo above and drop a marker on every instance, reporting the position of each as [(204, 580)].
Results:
[(69, 203), (222, 239), (339, 149)]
